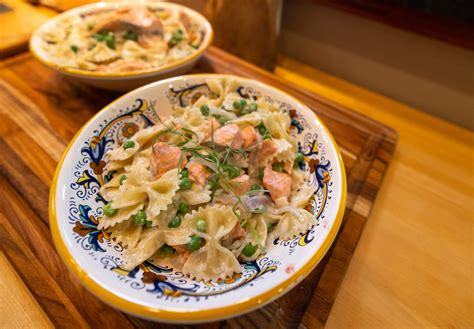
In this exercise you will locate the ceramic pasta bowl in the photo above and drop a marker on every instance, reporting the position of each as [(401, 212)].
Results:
[(161, 293), (66, 32)]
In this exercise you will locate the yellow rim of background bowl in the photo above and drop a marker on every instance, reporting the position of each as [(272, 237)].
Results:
[(139, 74), (191, 316)]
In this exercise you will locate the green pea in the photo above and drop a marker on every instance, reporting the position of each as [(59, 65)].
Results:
[(109, 211), (255, 187), (140, 217), (184, 173), (194, 243), (236, 105), (245, 111), (185, 184), (201, 225), (148, 224), (175, 222), (253, 107), (183, 208), (205, 109), (262, 130), (223, 120), (74, 48), (129, 144), (122, 179), (249, 250), (167, 250), (243, 103), (277, 167), (260, 173)]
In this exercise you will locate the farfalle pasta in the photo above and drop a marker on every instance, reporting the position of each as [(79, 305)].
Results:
[(208, 187), (132, 38)]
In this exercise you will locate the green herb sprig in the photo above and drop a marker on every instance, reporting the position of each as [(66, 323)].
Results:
[(105, 36)]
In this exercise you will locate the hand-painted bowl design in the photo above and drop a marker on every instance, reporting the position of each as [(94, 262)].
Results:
[(160, 293)]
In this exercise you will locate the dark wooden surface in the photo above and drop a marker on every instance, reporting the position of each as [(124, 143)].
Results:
[(40, 111)]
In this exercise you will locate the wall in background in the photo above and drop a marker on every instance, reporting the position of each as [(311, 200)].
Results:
[(245, 28), (430, 75)]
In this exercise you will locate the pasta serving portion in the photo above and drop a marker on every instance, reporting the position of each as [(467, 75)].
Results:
[(134, 38), (212, 185)]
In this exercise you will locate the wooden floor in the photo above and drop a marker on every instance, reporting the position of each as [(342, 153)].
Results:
[(414, 264)]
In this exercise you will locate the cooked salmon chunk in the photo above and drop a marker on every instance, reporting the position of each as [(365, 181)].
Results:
[(164, 158), (277, 183), (288, 166), (267, 149), (213, 126), (183, 252), (240, 184), (236, 233), (198, 173), (228, 136), (249, 136), (139, 19)]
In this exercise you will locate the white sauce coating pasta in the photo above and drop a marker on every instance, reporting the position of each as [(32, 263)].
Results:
[(134, 38), (202, 191)]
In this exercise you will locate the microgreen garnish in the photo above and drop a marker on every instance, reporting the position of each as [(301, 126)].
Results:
[(106, 36), (255, 235), (176, 37)]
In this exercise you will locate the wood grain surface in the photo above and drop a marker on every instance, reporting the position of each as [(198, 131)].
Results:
[(41, 110), (413, 266), (18, 20)]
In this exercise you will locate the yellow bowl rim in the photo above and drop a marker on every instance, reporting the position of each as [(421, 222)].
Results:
[(191, 316)]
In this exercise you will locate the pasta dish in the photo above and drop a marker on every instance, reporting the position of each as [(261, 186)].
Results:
[(208, 187), (129, 39)]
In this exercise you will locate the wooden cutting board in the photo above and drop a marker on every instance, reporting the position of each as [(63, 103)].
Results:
[(18, 20), (40, 111)]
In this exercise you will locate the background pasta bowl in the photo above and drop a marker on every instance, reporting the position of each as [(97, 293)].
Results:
[(122, 81), (160, 293)]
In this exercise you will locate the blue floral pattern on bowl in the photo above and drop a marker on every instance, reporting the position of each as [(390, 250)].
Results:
[(150, 281)]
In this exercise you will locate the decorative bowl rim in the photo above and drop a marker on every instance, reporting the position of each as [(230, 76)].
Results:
[(198, 315), (140, 74)]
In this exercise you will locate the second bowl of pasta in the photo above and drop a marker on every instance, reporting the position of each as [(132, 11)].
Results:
[(121, 46), (197, 198)]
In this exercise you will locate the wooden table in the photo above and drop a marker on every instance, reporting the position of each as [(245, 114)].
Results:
[(414, 265), (18, 20), (42, 112)]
